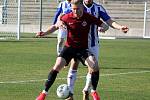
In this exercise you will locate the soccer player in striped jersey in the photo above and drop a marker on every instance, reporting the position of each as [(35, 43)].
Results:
[(63, 8), (98, 11)]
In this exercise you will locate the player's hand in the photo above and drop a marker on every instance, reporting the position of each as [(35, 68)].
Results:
[(101, 29), (124, 29), (40, 34), (104, 27)]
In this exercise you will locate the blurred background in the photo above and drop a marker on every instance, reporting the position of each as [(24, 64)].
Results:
[(18, 17)]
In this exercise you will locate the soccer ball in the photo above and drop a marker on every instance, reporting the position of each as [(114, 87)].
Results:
[(63, 91)]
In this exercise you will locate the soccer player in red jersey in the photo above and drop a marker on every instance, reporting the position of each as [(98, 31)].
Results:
[(98, 11), (76, 46)]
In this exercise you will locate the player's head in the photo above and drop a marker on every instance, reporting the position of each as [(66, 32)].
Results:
[(69, 0), (88, 2), (77, 7)]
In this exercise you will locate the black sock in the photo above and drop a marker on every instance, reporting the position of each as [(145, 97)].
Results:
[(51, 78), (95, 79)]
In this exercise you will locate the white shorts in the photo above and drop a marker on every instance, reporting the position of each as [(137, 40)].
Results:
[(62, 33), (95, 50)]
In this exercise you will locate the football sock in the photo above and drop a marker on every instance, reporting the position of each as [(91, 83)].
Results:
[(88, 82), (72, 74), (95, 79), (51, 78), (44, 92)]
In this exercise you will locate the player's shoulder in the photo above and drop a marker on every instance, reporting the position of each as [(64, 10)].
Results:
[(62, 2), (60, 5), (87, 15), (97, 5), (66, 16)]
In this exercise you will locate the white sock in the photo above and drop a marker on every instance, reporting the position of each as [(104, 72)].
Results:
[(93, 90), (44, 92), (88, 82), (72, 74)]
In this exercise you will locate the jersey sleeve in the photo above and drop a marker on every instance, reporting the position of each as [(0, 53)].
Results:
[(58, 12), (64, 18), (103, 14)]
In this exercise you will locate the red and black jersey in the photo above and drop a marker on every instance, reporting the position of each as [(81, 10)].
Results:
[(78, 29)]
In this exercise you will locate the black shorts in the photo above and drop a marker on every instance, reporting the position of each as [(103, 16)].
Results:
[(69, 52)]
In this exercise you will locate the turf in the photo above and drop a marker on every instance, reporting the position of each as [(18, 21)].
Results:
[(125, 69)]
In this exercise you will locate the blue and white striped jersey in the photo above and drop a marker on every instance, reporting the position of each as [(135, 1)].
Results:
[(63, 8), (98, 11)]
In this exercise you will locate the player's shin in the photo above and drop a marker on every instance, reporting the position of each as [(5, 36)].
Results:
[(72, 74), (88, 82), (51, 78), (95, 79)]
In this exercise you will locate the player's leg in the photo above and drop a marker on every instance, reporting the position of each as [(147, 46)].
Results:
[(87, 86), (92, 63), (63, 59), (60, 62), (95, 51), (72, 74), (60, 39), (60, 42), (88, 81)]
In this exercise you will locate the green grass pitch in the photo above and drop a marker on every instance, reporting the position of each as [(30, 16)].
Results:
[(124, 73)]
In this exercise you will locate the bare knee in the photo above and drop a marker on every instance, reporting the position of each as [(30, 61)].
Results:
[(60, 63), (92, 64), (95, 68), (74, 64)]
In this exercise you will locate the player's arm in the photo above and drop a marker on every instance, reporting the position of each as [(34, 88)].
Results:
[(115, 25), (102, 14), (53, 27), (50, 30), (103, 26), (58, 12), (105, 17)]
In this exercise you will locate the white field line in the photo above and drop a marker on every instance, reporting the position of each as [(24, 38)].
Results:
[(115, 74)]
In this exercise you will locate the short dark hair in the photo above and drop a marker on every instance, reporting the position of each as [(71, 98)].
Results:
[(77, 2)]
